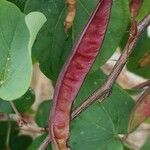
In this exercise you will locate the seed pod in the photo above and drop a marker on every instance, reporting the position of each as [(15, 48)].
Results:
[(74, 72), (71, 12), (135, 6), (141, 111)]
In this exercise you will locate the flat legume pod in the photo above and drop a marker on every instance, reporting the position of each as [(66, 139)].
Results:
[(74, 72)]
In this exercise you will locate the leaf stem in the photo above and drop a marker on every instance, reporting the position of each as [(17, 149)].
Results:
[(8, 133), (28, 127), (45, 143), (15, 109), (142, 85), (21, 121)]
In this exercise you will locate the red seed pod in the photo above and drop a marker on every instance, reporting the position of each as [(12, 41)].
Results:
[(74, 72), (135, 6)]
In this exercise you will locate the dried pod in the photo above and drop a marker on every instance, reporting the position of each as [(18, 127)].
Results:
[(71, 12)]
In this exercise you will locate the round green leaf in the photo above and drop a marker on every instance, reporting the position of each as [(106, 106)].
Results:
[(16, 39)]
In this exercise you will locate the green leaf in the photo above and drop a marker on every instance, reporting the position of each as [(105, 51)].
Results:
[(98, 127), (22, 104), (42, 114), (133, 92), (145, 9), (34, 22), (146, 145), (53, 45), (139, 60), (19, 3), (37, 142), (126, 148), (16, 141), (15, 51)]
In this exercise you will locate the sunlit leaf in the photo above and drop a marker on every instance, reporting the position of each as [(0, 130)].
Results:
[(17, 34)]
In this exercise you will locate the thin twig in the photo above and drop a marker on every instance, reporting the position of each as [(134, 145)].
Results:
[(103, 92), (15, 109), (45, 143), (142, 85), (8, 133), (34, 129), (21, 121), (144, 94), (28, 127)]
